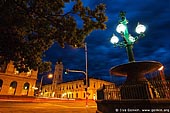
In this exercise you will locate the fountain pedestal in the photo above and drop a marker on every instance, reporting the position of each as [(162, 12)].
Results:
[(136, 85)]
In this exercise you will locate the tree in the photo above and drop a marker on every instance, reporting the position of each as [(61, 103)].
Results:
[(29, 27)]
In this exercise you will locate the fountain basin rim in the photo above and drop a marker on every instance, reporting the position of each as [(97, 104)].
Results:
[(142, 67)]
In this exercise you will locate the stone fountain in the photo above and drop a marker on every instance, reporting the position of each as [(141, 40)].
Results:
[(136, 80), (137, 94)]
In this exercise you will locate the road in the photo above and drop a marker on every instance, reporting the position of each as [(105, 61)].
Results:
[(47, 106)]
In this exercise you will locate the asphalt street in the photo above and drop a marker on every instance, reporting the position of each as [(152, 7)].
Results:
[(47, 107)]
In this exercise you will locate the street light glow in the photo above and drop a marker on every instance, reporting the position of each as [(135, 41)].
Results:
[(120, 28), (114, 39), (35, 88), (161, 68), (50, 75), (140, 28), (131, 38)]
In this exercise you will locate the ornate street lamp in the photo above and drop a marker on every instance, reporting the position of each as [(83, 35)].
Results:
[(128, 40), (40, 87)]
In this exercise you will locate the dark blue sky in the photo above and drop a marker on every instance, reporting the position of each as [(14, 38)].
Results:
[(102, 55)]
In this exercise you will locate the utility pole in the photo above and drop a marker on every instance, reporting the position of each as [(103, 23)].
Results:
[(85, 73)]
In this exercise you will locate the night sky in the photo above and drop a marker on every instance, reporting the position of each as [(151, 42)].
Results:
[(102, 55)]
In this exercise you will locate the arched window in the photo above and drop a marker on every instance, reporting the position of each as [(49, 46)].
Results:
[(26, 86), (13, 85), (12, 88), (1, 82)]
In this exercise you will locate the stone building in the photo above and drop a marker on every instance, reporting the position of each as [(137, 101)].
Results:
[(75, 89), (18, 84), (72, 89)]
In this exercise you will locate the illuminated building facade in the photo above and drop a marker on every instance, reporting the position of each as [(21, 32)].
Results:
[(14, 83), (72, 89), (75, 89)]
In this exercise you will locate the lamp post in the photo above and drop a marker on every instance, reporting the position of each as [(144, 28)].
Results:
[(84, 72), (49, 76), (128, 40)]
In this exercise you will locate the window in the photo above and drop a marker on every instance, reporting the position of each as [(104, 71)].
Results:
[(1, 82), (76, 95), (13, 85), (94, 85), (69, 95), (76, 86)]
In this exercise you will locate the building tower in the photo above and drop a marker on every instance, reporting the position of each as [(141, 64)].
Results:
[(58, 75)]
